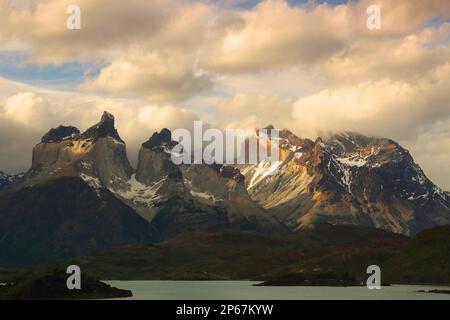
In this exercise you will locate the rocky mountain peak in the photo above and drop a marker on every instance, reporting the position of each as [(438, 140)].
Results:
[(348, 178), (161, 139), (350, 142), (106, 116), (61, 133), (97, 155), (291, 141), (104, 128)]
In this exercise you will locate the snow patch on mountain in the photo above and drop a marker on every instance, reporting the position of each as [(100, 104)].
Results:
[(353, 161), (93, 182), (265, 168), (7, 179), (298, 155), (140, 193), (205, 195), (342, 172)]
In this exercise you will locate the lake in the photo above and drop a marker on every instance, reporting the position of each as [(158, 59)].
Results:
[(245, 290)]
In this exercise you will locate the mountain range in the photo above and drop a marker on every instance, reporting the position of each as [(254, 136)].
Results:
[(81, 195)]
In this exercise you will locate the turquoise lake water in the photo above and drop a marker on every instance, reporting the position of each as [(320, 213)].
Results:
[(245, 290)]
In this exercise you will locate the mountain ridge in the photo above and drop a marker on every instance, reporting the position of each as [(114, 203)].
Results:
[(345, 178)]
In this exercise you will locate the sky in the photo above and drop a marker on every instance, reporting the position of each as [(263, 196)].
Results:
[(310, 66)]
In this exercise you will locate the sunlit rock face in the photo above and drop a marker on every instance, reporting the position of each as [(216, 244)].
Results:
[(154, 160), (97, 155), (347, 178)]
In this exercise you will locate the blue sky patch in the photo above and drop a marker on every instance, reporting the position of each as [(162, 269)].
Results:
[(15, 66)]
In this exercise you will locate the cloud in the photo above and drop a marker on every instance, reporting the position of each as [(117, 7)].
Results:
[(158, 76), (275, 34), (248, 111), (391, 108), (408, 58), (169, 50), (149, 46), (105, 28), (430, 150)]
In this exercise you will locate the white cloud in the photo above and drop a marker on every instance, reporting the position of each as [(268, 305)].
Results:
[(105, 27), (392, 108), (275, 34), (407, 58), (150, 45), (158, 76), (431, 150), (248, 111)]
